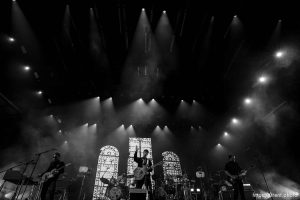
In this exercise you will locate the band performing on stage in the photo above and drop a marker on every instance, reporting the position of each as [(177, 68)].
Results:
[(202, 185)]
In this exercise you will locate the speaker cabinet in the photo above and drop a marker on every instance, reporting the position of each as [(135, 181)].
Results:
[(137, 194)]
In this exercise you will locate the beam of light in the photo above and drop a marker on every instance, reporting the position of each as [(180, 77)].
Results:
[(165, 35), (23, 31), (131, 132), (235, 29), (96, 42), (275, 35)]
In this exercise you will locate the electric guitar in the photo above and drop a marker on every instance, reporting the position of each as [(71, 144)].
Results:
[(140, 172), (240, 176), (52, 173)]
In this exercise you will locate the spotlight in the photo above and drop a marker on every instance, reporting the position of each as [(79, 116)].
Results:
[(225, 133), (248, 101), (235, 16), (59, 131), (26, 68), (262, 79), (11, 39), (279, 54), (66, 142), (40, 92), (235, 121), (192, 190), (198, 189), (143, 9), (164, 12), (219, 145)]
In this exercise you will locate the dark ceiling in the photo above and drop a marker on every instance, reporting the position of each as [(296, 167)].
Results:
[(217, 71)]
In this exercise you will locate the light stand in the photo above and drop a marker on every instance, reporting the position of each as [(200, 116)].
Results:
[(263, 174), (84, 171)]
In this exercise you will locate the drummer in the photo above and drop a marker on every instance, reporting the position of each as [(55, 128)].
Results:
[(121, 179), (185, 176)]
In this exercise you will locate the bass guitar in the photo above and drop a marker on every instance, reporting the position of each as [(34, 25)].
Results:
[(140, 172), (52, 173), (240, 176)]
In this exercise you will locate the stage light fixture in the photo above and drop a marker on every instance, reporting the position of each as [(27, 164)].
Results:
[(11, 39), (192, 190), (143, 9), (225, 133), (40, 92), (235, 121), (198, 189), (247, 101), (235, 16), (262, 79), (164, 12), (279, 54), (26, 68)]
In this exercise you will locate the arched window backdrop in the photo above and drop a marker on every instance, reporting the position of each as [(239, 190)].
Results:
[(171, 164), (107, 167)]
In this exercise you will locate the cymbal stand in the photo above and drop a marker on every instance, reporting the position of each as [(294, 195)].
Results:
[(102, 184)]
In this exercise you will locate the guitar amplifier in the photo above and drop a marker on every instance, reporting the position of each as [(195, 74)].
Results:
[(137, 194), (228, 195)]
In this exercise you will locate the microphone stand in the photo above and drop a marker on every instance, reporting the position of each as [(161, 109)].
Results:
[(102, 184), (38, 155), (263, 174)]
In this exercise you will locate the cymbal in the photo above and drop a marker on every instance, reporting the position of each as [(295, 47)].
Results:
[(104, 180)]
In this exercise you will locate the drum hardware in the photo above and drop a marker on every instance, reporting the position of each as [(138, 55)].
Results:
[(104, 180)]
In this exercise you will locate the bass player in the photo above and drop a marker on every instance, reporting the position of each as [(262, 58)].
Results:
[(56, 168), (144, 162), (233, 170)]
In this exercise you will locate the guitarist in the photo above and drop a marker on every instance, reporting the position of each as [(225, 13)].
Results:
[(144, 161), (51, 182), (232, 170)]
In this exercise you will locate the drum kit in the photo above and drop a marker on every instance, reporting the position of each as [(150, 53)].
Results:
[(117, 188), (173, 187)]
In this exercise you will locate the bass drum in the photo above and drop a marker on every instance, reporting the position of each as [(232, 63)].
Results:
[(114, 193), (160, 193)]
